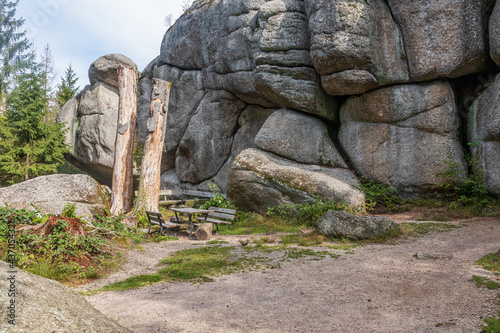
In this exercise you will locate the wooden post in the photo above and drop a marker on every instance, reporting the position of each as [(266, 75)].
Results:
[(149, 186), (123, 174)]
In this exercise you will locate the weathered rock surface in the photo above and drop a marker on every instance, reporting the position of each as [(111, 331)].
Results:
[(260, 179), (68, 116), (232, 64), (96, 133), (356, 45), (207, 142), (43, 305), (443, 38), (403, 135), (495, 33), (250, 122), (300, 138), (49, 194), (484, 134), (342, 224), (105, 69)]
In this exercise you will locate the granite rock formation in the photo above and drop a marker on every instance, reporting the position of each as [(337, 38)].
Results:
[(260, 86)]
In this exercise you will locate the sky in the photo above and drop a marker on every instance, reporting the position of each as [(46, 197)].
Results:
[(80, 31)]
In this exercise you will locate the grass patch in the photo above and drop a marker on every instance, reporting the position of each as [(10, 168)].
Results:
[(251, 223), (215, 242), (417, 229), (492, 325), (482, 281), (133, 282), (490, 262), (203, 264)]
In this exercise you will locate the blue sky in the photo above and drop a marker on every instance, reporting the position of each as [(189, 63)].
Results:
[(80, 31)]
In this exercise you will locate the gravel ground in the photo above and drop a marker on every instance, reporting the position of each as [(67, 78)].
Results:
[(378, 288)]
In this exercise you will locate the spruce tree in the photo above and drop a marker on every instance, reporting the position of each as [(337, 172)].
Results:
[(13, 46), (29, 147), (67, 88)]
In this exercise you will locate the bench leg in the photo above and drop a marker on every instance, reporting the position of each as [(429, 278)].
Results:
[(149, 228)]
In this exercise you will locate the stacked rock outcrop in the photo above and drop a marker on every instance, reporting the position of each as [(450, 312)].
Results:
[(270, 98)]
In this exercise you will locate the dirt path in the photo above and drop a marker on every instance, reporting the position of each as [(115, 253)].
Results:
[(379, 288)]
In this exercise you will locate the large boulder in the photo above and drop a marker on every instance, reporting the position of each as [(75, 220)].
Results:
[(105, 69), (261, 179), (484, 135), (299, 137), (250, 122), (405, 135), (43, 305), (96, 134), (341, 224), (207, 142), (443, 38), (68, 116), (49, 194), (495, 33), (356, 45)]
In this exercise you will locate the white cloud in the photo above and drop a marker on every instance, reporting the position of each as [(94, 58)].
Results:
[(80, 31)]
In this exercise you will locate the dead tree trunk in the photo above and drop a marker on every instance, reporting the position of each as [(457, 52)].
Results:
[(149, 186), (122, 183)]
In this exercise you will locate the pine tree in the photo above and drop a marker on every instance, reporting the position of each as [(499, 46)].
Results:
[(13, 46), (29, 147), (66, 89)]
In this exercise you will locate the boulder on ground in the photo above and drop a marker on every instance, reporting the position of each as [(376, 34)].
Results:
[(43, 305), (49, 194), (341, 224), (261, 179), (299, 137), (105, 69)]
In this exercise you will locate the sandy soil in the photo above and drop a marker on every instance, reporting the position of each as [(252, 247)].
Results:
[(379, 288)]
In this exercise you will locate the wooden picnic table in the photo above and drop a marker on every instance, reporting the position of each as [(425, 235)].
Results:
[(190, 212)]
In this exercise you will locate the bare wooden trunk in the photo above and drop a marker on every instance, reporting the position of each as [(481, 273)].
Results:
[(122, 183), (204, 231), (149, 186)]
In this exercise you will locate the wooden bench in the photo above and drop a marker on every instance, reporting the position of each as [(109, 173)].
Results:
[(198, 197), (156, 218), (220, 216)]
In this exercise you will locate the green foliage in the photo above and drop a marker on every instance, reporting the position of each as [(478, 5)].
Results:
[(67, 88), (19, 216), (467, 190), (218, 200), (69, 210), (29, 146), (377, 193)]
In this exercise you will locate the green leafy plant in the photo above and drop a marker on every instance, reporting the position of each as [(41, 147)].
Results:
[(69, 210), (467, 189), (218, 200), (377, 193)]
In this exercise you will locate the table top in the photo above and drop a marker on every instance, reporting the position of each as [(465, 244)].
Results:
[(188, 210)]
